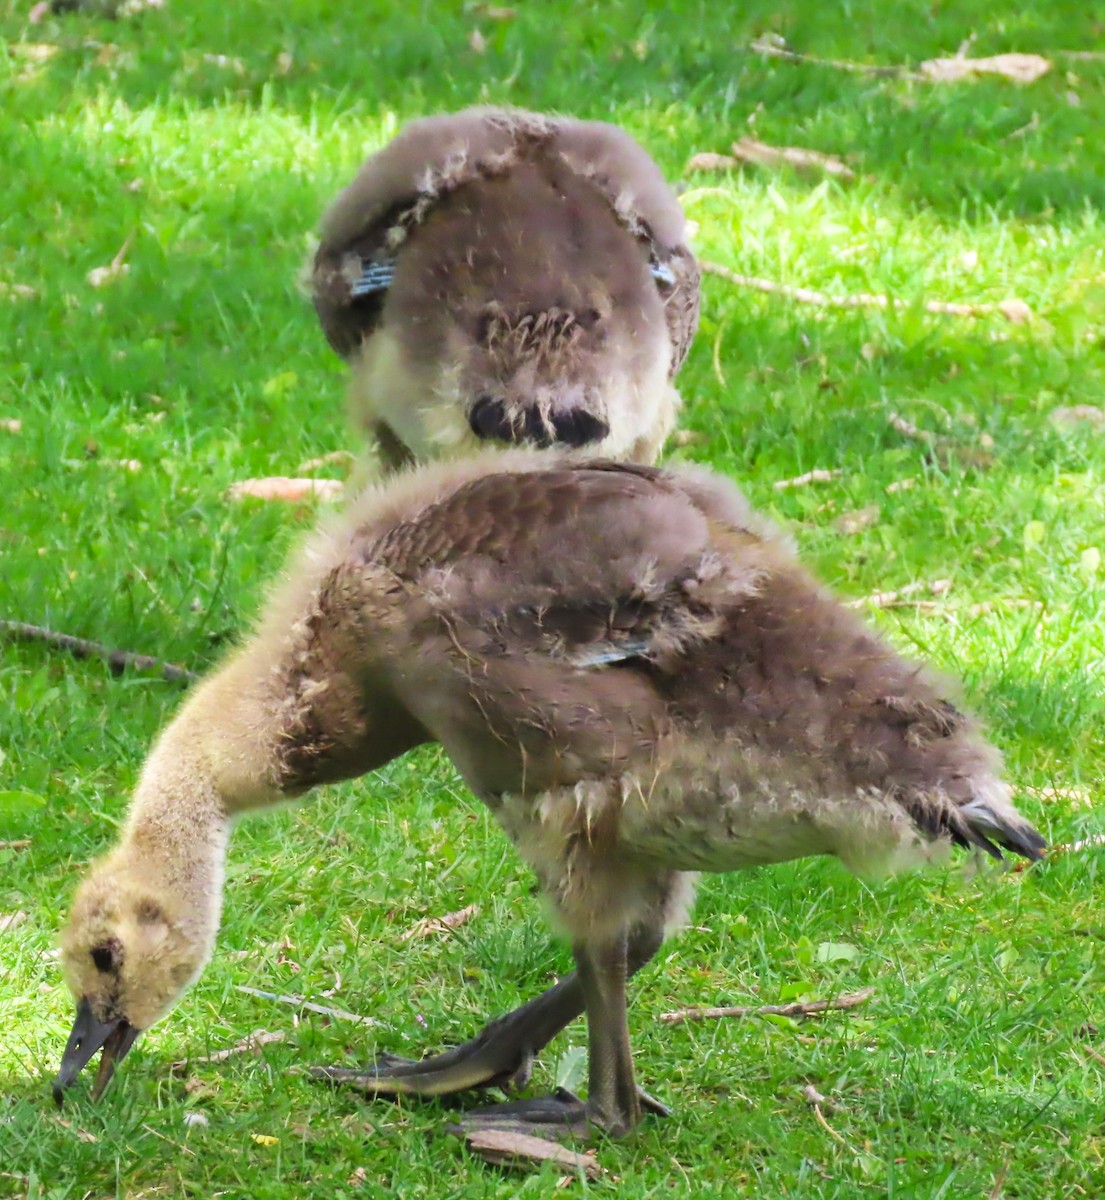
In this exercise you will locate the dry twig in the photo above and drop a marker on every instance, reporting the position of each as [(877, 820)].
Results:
[(117, 660), (305, 1005), (817, 475), (900, 597), (808, 1008), (281, 487), (772, 49), (751, 150), (19, 844), (253, 1041), (1013, 310)]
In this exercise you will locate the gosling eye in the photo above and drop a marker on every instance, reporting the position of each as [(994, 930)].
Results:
[(107, 957)]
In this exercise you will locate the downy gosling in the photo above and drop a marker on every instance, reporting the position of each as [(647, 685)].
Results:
[(627, 665), (496, 275)]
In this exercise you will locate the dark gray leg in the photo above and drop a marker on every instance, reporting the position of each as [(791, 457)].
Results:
[(613, 1102), (502, 1054)]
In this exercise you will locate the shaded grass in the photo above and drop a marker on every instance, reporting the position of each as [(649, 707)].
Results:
[(974, 1060)]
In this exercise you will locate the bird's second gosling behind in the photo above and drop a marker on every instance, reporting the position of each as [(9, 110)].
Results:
[(627, 665), (501, 276)]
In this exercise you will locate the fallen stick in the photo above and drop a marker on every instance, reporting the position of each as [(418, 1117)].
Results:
[(19, 844), (305, 1005), (252, 1041), (508, 1149), (809, 1008), (944, 449), (899, 598), (117, 660), (1013, 310), (817, 475), (765, 47)]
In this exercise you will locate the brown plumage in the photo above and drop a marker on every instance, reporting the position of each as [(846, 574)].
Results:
[(498, 275), (627, 665)]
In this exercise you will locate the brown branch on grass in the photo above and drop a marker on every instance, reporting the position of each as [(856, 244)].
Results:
[(252, 1041), (808, 1008), (117, 660), (1013, 310), (19, 844)]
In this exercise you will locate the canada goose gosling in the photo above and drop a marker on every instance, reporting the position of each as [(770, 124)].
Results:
[(500, 276), (627, 665)]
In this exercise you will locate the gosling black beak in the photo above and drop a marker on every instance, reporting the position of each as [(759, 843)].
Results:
[(89, 1035)]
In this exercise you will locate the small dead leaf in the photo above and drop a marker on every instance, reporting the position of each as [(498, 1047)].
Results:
[(521, 1149), (284, 63), (1078, 416), (11, 425), (1015, 311), (817, 475), (227, 62), (495, 12), (748, 149), (902, 485), (429, 925), (336, 458), (18, 844), (284, 487), (1020, 68), (11, 920), (100, 277), (34, 52), (18, 291), (477, 42), (135, 8), (708, 161), (357, 1179), (857, 520)]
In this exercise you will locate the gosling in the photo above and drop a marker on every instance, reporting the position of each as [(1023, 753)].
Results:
[(627, 665), (501, 276)]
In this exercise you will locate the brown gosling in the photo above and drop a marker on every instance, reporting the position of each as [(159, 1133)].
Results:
[(499, 275), (628, 666)]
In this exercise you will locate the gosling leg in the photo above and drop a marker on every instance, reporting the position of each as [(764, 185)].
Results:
[(503, 1052), (613, 1103)]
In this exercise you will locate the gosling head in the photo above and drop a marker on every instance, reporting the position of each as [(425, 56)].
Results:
[(127, 957)]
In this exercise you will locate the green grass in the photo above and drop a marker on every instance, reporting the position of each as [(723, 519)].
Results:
[(974, 1070)]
